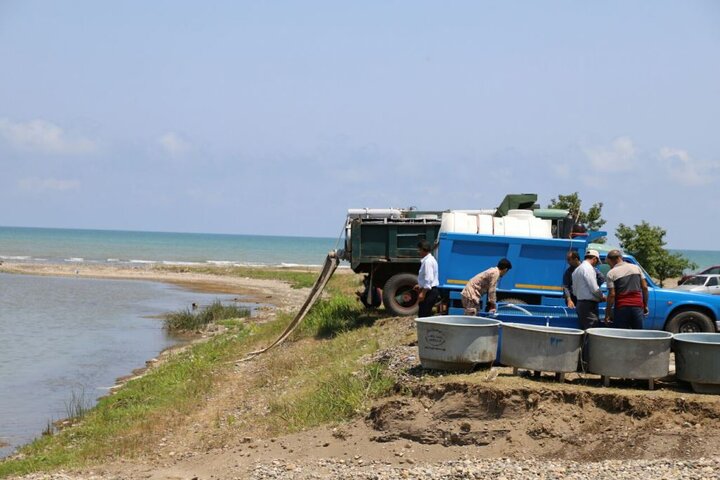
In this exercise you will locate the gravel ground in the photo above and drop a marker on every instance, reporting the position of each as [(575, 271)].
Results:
[(496, 469)]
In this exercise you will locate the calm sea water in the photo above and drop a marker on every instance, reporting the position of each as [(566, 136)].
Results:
[(703, 258), (65, 336), (107, 246)]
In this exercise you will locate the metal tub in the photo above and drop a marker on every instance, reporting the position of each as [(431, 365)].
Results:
[(697, 360), (637, 354), (456, 342), (539, 348)]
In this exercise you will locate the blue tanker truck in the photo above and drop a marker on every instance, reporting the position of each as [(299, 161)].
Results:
[(534, 282)]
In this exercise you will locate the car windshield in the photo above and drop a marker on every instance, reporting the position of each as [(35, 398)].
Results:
[(695, 281)]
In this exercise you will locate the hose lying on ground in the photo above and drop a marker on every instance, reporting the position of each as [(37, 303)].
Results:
[(331, 263)]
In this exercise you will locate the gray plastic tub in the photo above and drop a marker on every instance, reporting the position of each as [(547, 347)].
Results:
[(697, 360), (455, 342), (540, 348), (637, 354)]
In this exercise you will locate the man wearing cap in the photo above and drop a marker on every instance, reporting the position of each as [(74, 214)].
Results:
[(573, 260), (587, 291), (627, 293)]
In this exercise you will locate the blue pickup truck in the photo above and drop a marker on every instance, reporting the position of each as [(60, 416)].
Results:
[(536, 278)]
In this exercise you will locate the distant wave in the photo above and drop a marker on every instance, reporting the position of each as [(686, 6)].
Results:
[(74, 260), (144, 262), (14, 257), (179, 263), (221, 262), (112, 260)]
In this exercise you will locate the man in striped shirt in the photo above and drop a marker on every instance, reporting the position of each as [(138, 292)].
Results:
[(627, 293)]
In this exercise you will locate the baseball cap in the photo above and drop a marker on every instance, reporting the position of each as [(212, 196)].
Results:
[(592, 253)]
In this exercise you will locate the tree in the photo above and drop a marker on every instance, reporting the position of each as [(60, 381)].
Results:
[(592, 219), (646, 243), (671, 265)]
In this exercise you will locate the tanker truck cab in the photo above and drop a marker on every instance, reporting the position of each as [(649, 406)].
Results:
[(673, 310)]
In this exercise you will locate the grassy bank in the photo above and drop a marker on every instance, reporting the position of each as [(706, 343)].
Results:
[(295, 277), (314, 380)]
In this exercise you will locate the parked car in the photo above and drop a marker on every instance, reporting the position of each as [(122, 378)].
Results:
[(701, 284), (714, 270)]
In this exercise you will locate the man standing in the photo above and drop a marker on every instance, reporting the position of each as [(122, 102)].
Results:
[(484, 282), (427, 280), (573, 260), (627, 293), (587, 290)]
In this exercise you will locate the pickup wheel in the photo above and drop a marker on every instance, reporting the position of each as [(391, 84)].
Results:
[(399, 297), (690, 321)]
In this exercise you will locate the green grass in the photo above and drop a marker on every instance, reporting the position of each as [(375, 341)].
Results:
[(337, 314), (321, 382), (339, 396), (191, 320), (296, 278)]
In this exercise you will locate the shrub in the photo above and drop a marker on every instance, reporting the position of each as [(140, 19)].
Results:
[(190, 320)]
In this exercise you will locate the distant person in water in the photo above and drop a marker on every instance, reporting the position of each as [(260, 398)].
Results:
[(428, 280), (481, 284)]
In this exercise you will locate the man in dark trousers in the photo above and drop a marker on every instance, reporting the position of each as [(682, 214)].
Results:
[(427, 280), (587, 290), (627, 293), (573, 260)]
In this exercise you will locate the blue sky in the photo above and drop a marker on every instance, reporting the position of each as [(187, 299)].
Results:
[(275, 117)]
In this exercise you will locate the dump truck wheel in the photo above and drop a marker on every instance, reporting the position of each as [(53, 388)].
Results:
[(690, 321), (399, 297)]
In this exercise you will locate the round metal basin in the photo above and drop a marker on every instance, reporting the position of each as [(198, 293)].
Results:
[(697, 360), (638, 354), (456, 342), (540, 348)]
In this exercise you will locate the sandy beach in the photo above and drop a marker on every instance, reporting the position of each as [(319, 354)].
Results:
[(254, 290)]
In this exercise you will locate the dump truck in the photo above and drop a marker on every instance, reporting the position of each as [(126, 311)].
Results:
[(382, 245)]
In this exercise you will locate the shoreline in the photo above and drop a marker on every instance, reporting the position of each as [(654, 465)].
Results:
[(266, 296), (212, 279)]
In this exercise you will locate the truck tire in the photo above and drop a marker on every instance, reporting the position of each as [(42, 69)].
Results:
[(399, 297), (690, 321)]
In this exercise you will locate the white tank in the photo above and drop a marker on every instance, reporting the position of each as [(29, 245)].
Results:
[(517, 226), (458, 222), (499, 225), (521, 213), (540, 228), (447, 222), (485, 224)]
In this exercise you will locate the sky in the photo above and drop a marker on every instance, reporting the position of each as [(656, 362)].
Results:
[(276, 117)]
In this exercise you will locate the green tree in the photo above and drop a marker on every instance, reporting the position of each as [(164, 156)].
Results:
[(646, 243), (592, 219), (671, 265)]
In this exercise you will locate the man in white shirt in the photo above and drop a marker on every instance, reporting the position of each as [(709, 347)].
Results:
[(427, 280), (587, 290)]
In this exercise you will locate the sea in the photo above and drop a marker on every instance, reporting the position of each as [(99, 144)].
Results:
[(50, 245)]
